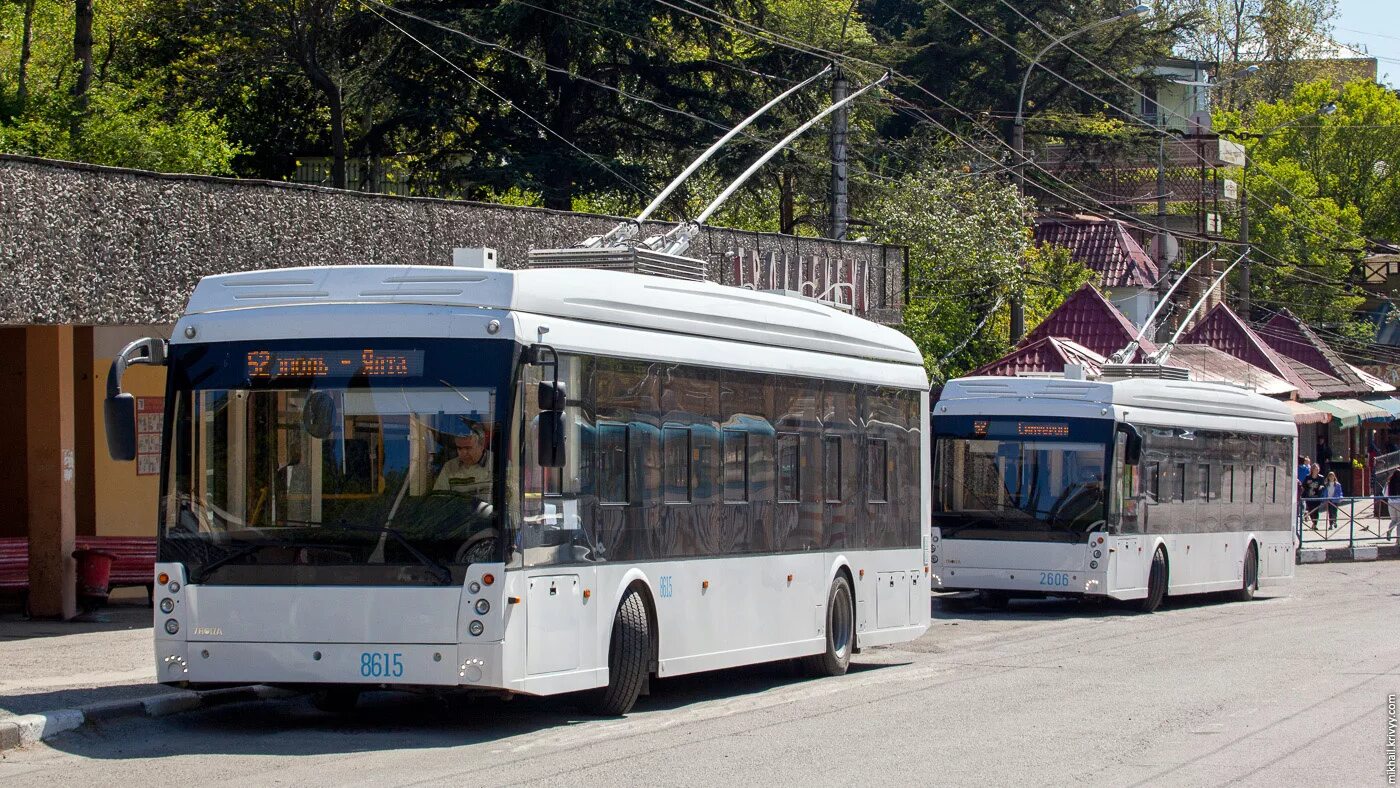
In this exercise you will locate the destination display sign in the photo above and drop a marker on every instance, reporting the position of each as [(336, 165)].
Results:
[(365, 362)]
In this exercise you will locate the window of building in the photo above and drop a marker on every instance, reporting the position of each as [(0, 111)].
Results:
[(789, 467), (735, 454), (676, 464), (877, 470), (831, 468), (613, 465)]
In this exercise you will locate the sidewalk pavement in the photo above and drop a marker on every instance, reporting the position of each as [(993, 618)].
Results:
[(57, 675)]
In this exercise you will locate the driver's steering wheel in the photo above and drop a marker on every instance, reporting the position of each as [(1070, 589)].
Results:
[(478, 551)]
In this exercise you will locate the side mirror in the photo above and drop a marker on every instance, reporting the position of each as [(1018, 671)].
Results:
[(1132, 452), (119, 416), (119, 408), (550, 449), (552, 396)]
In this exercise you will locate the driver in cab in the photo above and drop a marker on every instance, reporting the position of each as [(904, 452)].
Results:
[(469, 471)]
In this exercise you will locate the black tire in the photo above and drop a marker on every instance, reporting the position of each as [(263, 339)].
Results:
[(1156, 582), (995, 600), (336, 700), (1249, 584), (840, 632), (629, 659)]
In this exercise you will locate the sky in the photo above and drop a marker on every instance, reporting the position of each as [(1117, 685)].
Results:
[(1376, 24)]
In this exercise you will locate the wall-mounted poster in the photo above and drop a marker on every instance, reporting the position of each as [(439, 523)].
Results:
[(150, 416)]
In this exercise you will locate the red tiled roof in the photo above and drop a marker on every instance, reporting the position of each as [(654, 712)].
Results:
[(1048, 354), (1291, 337), (1208, 364), (1087, 318), (1104, 246), (1222, 329)]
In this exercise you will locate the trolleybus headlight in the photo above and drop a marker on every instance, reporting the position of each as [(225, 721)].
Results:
[(935, 538), (1098, 554), (474, 587), (475, 628), (171, 626), (1093, 564), (482, 607), (174, 586), (933, 559), (167, 605)]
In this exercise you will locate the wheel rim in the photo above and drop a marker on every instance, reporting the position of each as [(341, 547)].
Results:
[(841, 623)]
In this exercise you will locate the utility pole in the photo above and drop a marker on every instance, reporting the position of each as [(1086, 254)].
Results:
[(840, 192), (1245, 304), (1018, 150)]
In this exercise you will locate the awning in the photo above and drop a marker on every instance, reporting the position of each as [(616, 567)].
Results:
[(1306, 414), (1389, 403), (1350, 412)]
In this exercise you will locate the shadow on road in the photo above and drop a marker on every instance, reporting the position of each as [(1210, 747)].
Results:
[(951, 607), (397, 720)]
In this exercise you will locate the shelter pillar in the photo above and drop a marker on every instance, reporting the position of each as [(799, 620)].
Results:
[(51, 461)]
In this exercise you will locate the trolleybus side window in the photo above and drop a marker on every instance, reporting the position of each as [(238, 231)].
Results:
[(676, 455), (736, 466)]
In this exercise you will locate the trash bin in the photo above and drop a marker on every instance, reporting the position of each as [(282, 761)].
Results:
[(94, 577)]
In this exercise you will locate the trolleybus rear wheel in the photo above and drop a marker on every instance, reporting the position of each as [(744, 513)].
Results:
[(1250, 584), (1156, 582), (840, 632), (629, 659)]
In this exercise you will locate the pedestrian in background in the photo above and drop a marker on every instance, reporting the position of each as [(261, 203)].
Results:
[(1332, 492), (1312, 493), (1392, 493)]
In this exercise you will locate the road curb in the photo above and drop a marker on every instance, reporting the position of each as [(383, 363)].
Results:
[(28, 729)]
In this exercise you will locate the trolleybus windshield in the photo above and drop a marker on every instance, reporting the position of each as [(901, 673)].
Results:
[(1017, 478), (315, 463)]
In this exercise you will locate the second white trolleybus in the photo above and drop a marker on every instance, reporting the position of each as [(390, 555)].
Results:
[(537, 481), (1129, 488)]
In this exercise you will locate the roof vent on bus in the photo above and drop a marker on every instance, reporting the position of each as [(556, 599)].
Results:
[(632, 259), (1151, 371), (479, 257)]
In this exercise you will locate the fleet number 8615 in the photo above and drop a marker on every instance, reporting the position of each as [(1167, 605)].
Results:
[(378, 664)]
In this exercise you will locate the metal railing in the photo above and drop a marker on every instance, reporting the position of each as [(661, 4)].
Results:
[(1349, 522)]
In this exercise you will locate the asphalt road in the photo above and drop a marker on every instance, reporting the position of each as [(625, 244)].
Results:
[(1289, 690)]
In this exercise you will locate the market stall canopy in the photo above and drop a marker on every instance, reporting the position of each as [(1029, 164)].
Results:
[(1306, 414), (1350, 412), (1389, 403)]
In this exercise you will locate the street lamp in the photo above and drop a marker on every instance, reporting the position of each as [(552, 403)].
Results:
[(1246, 304), (1018, 137)]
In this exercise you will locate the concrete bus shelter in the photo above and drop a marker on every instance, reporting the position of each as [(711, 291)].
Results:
[(92, 257)]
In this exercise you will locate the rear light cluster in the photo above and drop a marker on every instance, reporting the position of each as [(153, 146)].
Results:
[(167, 603), (933, 549), (1096, 542)]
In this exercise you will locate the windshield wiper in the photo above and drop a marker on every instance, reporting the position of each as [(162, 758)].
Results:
[(442, 573), (245, 550)]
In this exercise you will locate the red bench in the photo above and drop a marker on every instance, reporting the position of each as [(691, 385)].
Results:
[(134, 560), (14, 564)]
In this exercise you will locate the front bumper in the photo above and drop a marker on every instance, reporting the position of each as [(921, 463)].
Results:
[(370, 664)]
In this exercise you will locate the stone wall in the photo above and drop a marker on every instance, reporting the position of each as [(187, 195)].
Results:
[(81, 244)]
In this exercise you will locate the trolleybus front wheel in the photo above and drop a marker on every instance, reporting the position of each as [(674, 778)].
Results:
[(629, 659), (840, 632), (1156, 582), (1250, 584)]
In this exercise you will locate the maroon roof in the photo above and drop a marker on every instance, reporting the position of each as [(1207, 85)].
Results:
[(1048, 354), (1089, 319), (1222, 329), (1291, 337), (1102, 245)]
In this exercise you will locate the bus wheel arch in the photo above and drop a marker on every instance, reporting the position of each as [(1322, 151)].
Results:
[(838, 646), (1249, 580), (630, 654)]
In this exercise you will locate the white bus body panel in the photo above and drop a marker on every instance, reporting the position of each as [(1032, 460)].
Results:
[(1197, 562), (546, 642)]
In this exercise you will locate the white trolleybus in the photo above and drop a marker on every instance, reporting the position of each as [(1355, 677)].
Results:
[(536, 481), (1128, 488)]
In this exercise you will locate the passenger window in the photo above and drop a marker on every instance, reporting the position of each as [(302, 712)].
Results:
[(676, 454), (736, 466), (613, 463), (789, 467)]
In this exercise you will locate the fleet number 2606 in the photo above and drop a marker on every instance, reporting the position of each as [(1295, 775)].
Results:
[(1054, 579)]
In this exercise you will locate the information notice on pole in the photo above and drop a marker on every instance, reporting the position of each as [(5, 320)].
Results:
[(150, 415)]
